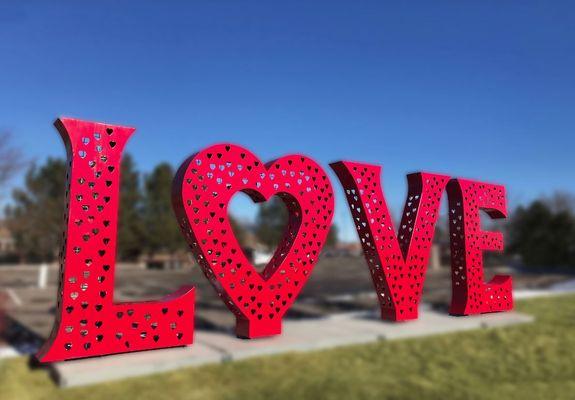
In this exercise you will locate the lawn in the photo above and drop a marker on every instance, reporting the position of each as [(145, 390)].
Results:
[(532, 361)]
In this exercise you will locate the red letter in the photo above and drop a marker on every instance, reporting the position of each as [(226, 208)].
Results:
[(470, 294), (88, 322), (397, 266), (204, 186)]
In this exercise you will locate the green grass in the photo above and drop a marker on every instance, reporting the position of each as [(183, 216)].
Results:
[(532, 361)]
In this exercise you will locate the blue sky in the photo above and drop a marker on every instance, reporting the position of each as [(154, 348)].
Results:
[(478, 89)]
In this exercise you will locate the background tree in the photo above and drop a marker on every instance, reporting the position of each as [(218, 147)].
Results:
[(561, 201), (239, 231), (131, 233), (11, 160), (36, 216), (542, 236), (162, 231), (332, 237), (272, 220)]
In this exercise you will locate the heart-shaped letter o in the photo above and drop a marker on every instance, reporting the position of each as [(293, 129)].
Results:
[(203, 187)]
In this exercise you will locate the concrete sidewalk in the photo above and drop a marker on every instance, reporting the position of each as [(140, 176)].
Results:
[(299, 336)]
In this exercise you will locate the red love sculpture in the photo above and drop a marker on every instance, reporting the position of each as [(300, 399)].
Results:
[(468, 241), (203, 188), (397, 262), (88, 321)]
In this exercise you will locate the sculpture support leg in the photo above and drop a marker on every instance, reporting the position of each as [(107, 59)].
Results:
[(255, 329)]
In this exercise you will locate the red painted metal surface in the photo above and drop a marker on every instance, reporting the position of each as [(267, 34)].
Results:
[(203, 188), (88, 321), (468, 241), (397, 262)]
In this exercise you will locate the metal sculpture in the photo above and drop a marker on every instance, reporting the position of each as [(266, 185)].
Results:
[(470, 295), (203, 188), (397, 262), (88, 321)]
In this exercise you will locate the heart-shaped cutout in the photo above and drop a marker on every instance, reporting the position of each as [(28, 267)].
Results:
[(269, 222), (203, 187)]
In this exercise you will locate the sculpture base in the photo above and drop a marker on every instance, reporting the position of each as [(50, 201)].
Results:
[(399, 315)]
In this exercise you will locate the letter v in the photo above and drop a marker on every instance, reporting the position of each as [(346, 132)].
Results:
[(397, 262)]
